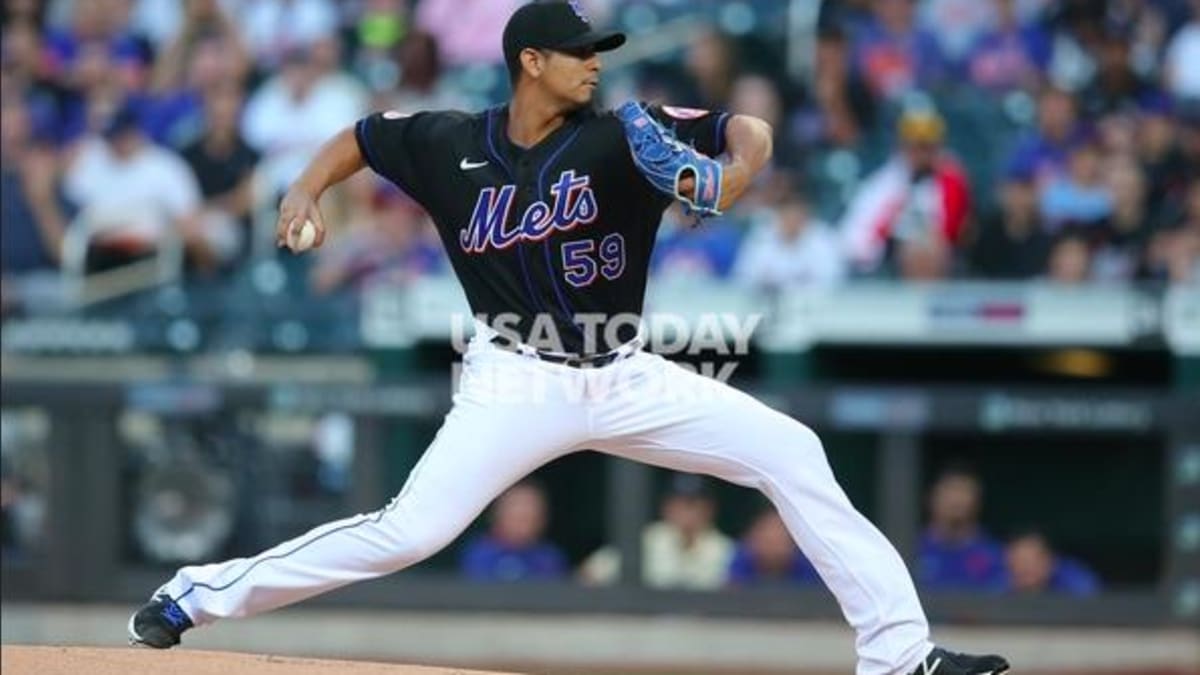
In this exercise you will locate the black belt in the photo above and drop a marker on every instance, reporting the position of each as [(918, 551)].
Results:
[(572, 360)]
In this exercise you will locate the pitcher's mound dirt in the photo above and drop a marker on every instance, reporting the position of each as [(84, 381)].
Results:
[(133, 661)]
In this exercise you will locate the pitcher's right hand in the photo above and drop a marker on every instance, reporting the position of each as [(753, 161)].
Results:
[(298, 206)]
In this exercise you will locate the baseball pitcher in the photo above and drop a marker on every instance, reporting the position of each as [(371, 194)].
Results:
[(548, 209)]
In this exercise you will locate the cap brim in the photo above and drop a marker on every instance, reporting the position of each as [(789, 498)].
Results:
[(603, 41)]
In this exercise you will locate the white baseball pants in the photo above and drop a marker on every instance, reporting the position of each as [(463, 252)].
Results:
[(514, 413)]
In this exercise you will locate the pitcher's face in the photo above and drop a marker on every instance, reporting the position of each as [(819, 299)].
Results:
[(572, 75)]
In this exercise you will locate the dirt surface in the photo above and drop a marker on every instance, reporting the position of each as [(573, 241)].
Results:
[(23, 660), (16, 660)]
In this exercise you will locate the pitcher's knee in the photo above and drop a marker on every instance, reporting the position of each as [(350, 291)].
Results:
[(793, 447), (811, 451), (786, 432), (798, 434), (808, 439)]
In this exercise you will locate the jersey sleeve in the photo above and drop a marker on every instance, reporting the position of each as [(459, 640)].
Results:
[(704, 129), (394, 144)]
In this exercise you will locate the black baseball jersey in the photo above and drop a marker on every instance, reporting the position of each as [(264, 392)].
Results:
[(562, 230)]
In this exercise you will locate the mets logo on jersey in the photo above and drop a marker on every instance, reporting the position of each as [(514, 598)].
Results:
[(573, 204), (578, 9)]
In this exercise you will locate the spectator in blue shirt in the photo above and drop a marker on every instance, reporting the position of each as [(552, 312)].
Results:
[(1045, 151), (31, 221), (1081, 197), (1033, 567), (206, 54), (1011, 55), (955, 552), (767, 555), (95, 24), (687, 251), (514, 548), (892, 55), (32, 215)]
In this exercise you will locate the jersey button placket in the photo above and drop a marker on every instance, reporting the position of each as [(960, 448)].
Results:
[(525, 182)]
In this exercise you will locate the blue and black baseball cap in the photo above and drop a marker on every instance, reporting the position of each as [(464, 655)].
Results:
[(555, 25)]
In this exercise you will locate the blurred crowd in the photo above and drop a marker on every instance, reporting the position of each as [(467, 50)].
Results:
[(683, 548), (925, 139), (997, 139)]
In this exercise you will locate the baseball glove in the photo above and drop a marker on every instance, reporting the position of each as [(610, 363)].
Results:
[(664, 160)]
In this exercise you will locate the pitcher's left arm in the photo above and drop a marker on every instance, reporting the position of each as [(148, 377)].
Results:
[(748, 141)]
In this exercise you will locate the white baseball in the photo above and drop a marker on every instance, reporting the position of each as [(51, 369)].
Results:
[(303, 239)]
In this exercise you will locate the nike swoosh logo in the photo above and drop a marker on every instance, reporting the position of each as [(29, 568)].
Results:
[(467, 165)]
